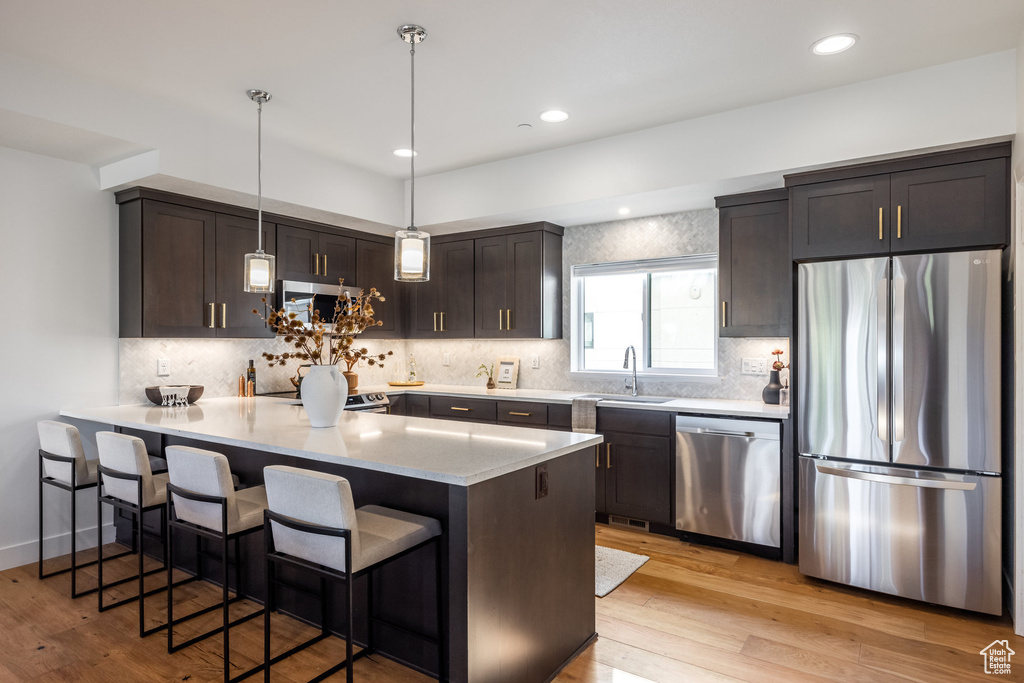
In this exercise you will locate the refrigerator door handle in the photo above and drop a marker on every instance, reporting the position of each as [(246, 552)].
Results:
[(899, 297), (881, 340), (927, 483)]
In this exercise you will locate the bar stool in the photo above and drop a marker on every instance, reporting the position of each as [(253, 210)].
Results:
[(127, 483), (202, 500), (63, 465), (313, 524)]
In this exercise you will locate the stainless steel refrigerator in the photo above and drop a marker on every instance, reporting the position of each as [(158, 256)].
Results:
[(898, 378)]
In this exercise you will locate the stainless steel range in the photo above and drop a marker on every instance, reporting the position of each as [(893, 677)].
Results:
[(370, 402)]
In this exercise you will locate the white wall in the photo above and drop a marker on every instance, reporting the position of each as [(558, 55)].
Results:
[(59, 348)]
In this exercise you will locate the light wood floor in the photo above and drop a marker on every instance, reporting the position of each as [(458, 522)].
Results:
[(691, 613)]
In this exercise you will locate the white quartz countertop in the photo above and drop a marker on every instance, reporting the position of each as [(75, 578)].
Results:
[(704, 406), (459, 453)]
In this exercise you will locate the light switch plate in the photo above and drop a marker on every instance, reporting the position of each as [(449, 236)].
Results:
[(535, 362), (446, 359), (754, 366), (163, 367)]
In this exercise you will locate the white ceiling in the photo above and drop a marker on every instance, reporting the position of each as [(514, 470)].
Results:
[(339, 73)]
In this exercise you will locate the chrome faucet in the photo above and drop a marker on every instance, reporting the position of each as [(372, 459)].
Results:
[(625, 366)]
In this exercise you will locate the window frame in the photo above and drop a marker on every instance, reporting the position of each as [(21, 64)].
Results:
[(579, 272)]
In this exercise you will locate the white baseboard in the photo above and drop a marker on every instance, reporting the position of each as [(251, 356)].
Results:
[(55, 546)]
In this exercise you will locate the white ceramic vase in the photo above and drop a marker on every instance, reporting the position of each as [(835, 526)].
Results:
[(324, 391)]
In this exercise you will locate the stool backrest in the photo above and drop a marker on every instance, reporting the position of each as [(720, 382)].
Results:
[(125, 454), (62, 439), (207, 473), (314, 498)]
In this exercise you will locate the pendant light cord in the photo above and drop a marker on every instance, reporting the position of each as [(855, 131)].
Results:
[(412, 135), (259, 174)]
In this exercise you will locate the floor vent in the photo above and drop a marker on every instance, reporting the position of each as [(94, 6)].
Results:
[(637, 524)]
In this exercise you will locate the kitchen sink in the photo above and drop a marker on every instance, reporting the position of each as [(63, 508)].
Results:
[(629, 399)]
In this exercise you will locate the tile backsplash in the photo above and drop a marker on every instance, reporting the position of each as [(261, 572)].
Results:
[(217, 363)]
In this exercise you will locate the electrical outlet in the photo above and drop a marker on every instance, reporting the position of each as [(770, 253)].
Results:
[(446, 359), (535, 362), (754, 366), (163, 367)]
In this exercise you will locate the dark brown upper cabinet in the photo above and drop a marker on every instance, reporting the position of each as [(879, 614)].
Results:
[(181, 272), (519, 285), (754, 265), (375, 269), (933, 202), (442, 308), (315, 256)]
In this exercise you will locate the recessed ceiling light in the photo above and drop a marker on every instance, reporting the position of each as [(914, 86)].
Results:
[(624, 211), (553, 116), (405, 153), (831, 45)]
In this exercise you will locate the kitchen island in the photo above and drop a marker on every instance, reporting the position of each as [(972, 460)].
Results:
[(516, 506)]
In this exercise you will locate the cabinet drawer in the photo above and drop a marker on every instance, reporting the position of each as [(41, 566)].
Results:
[(462, 408), (560, 416), (633, 421), (522, 413)]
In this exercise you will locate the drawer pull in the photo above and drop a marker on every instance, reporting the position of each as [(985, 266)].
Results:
[(462, 409), (520, 414)]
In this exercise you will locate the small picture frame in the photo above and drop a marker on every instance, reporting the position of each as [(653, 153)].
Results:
[(506, 372)]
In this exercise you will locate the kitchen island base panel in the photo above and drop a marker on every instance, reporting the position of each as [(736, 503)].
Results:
[(519, 570)]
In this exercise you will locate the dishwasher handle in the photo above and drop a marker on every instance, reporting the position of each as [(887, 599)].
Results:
[(723, 432), (727, 427)]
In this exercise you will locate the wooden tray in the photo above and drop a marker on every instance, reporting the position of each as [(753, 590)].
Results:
[(405, 384)]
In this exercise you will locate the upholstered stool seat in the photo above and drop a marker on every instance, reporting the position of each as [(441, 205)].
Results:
[(63, 465), (127, 483), (203, 501), (313, 524)]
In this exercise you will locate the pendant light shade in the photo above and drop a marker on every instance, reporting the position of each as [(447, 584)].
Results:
[(412, 246), (260, 269)]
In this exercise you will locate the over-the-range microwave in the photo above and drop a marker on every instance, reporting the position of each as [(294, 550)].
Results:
[(302, 298)]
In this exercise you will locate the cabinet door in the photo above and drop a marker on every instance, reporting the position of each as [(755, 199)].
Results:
[(524, 303), (841, 218), (375, 268), (425, 299), (178, 288), (949, 207), (337, 259), (754, 270), (236, 237), (491, 286), (637, 471), (297, 254), (456, 290)]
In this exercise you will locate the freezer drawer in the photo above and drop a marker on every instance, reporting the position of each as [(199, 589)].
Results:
[(919, 534), (727, 478)]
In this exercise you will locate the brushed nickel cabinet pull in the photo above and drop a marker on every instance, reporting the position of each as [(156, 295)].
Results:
[(879, 222), (899, 222), (223, 315), (435, 321), (465, 410), (608, 456), (213, 316), (519, 414)]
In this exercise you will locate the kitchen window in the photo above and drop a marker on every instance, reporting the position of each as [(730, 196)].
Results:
[(664, 308)]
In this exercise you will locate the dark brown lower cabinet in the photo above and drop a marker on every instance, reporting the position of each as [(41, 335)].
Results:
[(638, 474)]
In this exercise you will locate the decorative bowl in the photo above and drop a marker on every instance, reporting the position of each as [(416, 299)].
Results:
[(194, 392)]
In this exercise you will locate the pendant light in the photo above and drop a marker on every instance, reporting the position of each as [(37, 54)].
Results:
[(412, 246), (259, 267)]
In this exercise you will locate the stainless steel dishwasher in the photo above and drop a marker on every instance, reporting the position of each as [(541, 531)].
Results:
[(727, 478)]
